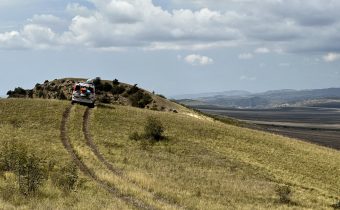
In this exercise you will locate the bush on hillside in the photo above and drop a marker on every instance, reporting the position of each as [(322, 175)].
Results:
[(66, 178), (154, 129), (98, 84), (284, 193), (17, 92), (336, 205), (115, 82), (140, 99), (117, 89), (105, 99), (162, 96), (30, 169), (107, 87), (134, 89)]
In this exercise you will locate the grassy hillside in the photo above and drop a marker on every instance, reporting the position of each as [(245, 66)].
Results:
[(202, 163)]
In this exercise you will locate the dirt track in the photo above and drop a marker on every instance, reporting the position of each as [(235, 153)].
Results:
[(88, 172), (116, 171)]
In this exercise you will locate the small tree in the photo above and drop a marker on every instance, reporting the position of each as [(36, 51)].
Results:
[(67, 177), (284, 193), (115, 82), (133, 90), (107, 87), (154, 129)]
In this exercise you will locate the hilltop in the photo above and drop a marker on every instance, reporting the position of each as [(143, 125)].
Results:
[(86, 157), (107, 92)]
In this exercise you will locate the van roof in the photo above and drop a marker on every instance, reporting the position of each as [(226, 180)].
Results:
[(85, 84)]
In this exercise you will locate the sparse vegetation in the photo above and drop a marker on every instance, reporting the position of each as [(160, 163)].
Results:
[(115, 82), (205, 164), (284, 193), (336, 205), (139, 99), (154, 129), (67, 177), (18, 92), (29, 168)]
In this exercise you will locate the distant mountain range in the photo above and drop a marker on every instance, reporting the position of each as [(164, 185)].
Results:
[(212, 94), (329, 97)]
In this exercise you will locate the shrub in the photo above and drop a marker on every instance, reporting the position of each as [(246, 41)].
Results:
[(115, 82), (284, 193), (17, 92), (31, 173), (30, 169), (105, 99), (160, 95), (135, 136), (117, 89), (97, 81), (107, 87), (66, 178), (153, 129), (62, 95), (140, 99), (98, 84), (133, 90), (37, 86), (336, 205)]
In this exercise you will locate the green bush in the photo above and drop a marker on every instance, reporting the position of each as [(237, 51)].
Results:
[(154, 129), (66, 178), (17, 92), (135, 136), (105, 99), (30, 169), (134, 89), (31, 173), (98, 84), (140, 99), (115, 82), (336, 205), (107, 87), (117, 89), (284, 193)]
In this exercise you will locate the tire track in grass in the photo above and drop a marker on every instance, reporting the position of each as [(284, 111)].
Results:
[(88, 172), (116, 171)]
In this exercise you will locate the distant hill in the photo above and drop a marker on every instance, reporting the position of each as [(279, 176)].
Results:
[(212, 94), (107, 92), (329, 97)]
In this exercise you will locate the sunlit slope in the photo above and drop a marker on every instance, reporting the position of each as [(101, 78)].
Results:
[(202, 164)]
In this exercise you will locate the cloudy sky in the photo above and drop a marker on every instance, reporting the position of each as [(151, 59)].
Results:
[(173, 46)]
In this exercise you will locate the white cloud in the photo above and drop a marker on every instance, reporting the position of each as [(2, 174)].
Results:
[(195, 59), (262, 50), (246, 56), (193, 25), (331, 57), (247, 78)]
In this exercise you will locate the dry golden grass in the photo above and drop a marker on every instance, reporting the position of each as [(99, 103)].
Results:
[(202, 164)]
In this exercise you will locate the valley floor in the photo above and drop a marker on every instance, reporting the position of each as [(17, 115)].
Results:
[(316, 125)]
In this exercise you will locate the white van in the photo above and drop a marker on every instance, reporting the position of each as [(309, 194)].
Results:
[(84, 93)]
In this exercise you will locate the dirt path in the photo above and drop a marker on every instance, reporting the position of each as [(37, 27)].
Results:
[(116, 171), (88, 172)]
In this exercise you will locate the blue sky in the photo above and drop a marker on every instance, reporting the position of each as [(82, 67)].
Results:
[(173, 46)]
